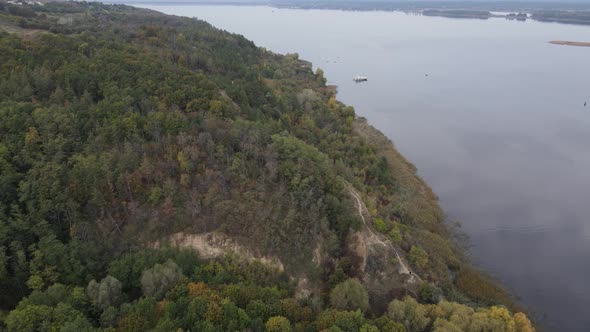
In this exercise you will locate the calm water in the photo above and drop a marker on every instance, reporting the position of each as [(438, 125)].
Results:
[(497, 128)]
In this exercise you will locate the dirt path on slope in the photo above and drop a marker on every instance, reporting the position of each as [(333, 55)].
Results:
[(403, 269)]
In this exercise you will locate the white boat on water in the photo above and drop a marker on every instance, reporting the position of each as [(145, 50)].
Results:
[(360, 78)]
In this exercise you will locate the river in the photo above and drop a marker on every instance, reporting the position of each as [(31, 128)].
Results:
[(491, 114)]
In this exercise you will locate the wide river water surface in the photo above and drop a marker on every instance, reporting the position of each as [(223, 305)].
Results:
[(491, 114)]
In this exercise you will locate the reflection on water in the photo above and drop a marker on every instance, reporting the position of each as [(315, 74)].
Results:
[(490, 113)]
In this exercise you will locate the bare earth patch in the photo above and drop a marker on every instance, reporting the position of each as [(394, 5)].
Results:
[(214, 244), (24, 33)]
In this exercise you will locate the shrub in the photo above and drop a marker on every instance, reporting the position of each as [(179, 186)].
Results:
[(395, 235), (380, 225)]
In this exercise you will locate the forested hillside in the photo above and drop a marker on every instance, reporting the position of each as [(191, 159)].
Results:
[(157, 173)]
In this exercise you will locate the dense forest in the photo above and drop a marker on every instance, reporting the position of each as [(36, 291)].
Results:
[(157, 173)]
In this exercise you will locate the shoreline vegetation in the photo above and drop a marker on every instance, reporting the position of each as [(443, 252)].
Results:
[(458, 13), (570, 43), (161, 174), (551, 16)]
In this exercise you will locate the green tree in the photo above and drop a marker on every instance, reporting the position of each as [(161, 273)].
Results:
[(347, 321), (36, 282), (395, 235), (441, 325), (457, 314), (30, 318), (369, 328), (45, 318), (418, 256), (429, 293), (410, 313), (79, 324), (278, 324), (319, 73), (350, 295), (380, 225), (387, 325), (105, 294), (216, 107), (109, 317), (159, 279)]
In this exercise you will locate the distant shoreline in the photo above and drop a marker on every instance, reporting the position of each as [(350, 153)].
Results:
[(569, 43)]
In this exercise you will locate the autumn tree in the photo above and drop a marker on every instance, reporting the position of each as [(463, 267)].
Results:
[(522, 323)]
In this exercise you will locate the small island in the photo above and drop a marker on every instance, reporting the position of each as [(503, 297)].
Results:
[(569, 43), (517, 16)]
